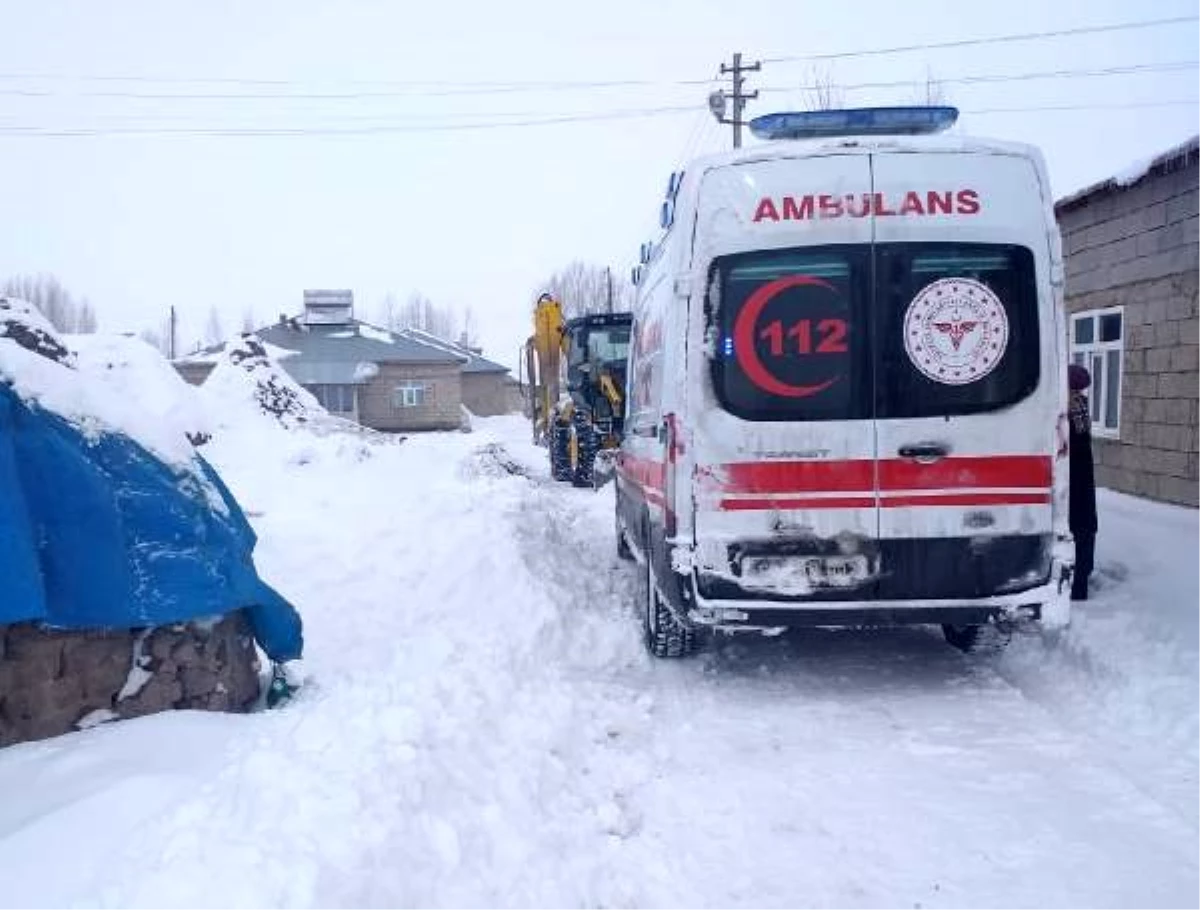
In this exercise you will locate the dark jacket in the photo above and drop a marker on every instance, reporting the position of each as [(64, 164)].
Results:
[(1083, 473)]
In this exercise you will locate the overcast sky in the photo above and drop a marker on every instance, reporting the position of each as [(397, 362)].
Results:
[(139, 206)]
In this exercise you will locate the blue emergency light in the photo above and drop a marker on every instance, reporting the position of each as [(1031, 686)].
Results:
[(862, 121)]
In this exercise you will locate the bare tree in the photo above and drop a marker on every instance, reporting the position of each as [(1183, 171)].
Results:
[(931, 92), (48, 294), (85, 324), (249, 323), (419, 312), (467, 336), (823, 94), (213, 333), (585, 288)]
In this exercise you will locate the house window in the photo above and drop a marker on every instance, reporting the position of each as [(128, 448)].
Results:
[(412, 395), (1098, 343), (337, 399)]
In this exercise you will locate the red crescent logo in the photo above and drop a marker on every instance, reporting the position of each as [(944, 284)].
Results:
[(743, 338)]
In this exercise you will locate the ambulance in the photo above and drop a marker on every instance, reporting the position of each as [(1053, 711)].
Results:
[(847, 387)]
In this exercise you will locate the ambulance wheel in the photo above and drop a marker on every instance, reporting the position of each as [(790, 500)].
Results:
[(560, 457), (623, 550), (664, 635), (978, 639)]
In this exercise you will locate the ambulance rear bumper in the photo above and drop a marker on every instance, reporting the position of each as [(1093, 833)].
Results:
[(1046, 605)]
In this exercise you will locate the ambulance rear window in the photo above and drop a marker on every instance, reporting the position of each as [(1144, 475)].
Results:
[(956, 328), (855, 332), (790, 333)]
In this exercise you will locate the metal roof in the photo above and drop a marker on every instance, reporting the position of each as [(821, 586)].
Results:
[(352, 343), (476, 363)]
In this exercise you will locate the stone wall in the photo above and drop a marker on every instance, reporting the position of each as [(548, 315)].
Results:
[(52, 682), (1139, 248), (443, 407)]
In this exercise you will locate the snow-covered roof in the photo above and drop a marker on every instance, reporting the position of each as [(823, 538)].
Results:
[(941, 142), (1171, 159), (350, 343), (476, 363)]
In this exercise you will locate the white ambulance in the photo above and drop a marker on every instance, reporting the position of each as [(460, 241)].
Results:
[(847, 387)]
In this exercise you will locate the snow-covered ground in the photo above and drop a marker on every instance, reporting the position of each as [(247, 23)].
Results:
[(480, 726)]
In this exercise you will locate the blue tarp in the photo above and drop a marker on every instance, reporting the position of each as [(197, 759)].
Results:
[(99, 533)]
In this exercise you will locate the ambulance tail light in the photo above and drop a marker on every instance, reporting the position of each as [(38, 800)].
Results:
[(863, 121)]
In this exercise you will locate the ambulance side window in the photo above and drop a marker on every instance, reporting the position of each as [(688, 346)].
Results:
[(956, 327)]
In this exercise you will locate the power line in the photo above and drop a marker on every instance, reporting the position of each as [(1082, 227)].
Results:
[(1132, 69), (351, 131), (995, 39), (301, 132)]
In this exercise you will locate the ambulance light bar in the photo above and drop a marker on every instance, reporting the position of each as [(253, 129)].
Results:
[(863, 121)]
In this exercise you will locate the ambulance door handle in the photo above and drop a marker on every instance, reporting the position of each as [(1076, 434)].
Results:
[(924, 452)]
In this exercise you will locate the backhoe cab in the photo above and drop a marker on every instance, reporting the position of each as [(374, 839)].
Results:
[(575, 380)]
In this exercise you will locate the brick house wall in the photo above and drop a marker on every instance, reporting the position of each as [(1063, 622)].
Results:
[(442, 410), (1137, 247), (488, 394)]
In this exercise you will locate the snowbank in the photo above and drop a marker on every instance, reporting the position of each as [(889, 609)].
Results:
[(134, 371), (46, 376), (246, 382)]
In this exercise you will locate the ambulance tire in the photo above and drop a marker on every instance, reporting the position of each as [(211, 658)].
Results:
[(978, 639), (560, 457), (665, 636), (623, 551)]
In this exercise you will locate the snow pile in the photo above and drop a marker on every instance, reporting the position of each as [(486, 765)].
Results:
[(134, 371), (36, 362), (246, 378)]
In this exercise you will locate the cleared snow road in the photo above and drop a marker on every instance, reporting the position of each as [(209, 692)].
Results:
[(481, 727)]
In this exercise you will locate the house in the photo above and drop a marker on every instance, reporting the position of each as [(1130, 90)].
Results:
[(487, 388), (1130, 247), (389, 381)]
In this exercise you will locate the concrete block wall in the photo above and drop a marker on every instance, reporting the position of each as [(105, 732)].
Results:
[(488, 394), (443, 408), (1139, 247)]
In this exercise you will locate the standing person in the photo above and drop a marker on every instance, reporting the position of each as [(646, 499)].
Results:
[(1083, 521)]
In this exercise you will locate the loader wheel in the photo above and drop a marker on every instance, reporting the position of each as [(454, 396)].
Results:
[(664, 635), (977, 639), (583, 446), (560, 458)]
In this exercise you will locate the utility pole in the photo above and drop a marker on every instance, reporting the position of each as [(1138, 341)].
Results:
[(608, 278), (171, 340), (739, 95)]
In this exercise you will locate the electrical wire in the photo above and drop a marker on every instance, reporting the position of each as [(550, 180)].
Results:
[(1132, 69), (977, 42)]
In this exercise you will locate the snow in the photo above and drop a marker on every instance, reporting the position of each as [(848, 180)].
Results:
[(1134, 172), (367, 331), (94, 399), (134, 371), (480, 726)]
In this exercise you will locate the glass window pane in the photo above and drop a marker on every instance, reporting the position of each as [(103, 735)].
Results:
[(1112, 397), (1110, 327), (1098, 385), (957, 328), (794, 343), (1080, 358), (1085, 330)]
